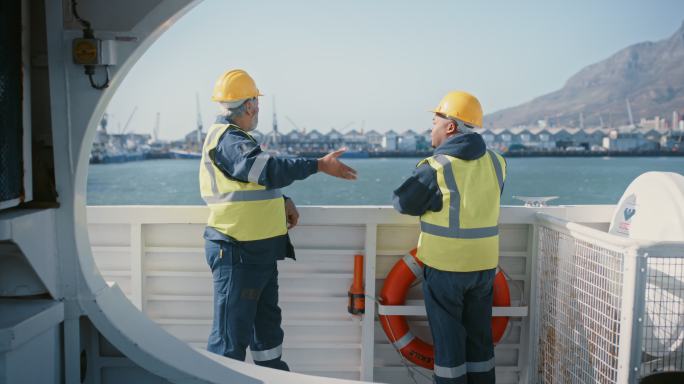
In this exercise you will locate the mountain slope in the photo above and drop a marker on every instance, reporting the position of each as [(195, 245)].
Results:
[(650, 75)]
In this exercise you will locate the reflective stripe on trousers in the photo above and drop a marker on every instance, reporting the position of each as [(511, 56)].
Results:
[(268, 354), (468, 367)]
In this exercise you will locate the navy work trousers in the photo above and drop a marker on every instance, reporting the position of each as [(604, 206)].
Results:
[(246, 311), (459, 309)]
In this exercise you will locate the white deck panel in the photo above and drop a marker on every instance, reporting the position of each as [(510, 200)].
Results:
[(156, 255)]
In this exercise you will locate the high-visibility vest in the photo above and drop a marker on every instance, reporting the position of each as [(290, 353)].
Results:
[(245, 211), (464, 235)]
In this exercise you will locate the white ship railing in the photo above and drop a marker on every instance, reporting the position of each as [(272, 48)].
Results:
[(607, 309), (156, 255)]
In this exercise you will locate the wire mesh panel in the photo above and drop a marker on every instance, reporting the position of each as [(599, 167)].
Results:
[(663, 330), (579, 297)]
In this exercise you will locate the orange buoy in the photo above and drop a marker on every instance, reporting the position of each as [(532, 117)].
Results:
[(394, 291), (357, 302)]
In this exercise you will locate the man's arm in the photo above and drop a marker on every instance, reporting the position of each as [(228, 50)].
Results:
[(242, 159), (419, 193)]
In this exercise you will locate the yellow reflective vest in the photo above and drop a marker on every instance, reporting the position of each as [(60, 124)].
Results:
[(245, 211), (464, 235)]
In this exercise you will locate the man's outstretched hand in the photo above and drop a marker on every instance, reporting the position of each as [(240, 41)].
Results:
[(330, 165)]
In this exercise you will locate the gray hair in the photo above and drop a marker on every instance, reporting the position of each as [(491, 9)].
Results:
[(233, 108), (462, 126), (465, 128)]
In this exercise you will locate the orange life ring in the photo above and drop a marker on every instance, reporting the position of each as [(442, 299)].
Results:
[(394, 291)]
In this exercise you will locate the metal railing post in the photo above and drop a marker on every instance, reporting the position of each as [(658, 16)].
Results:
[(631, 318), (368, 330), (528, 373), (137, 265)]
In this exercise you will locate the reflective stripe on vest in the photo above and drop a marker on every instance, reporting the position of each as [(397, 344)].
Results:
[(463, 235), (206, 160), (258, 167), (244, 211), (454, 229), (265, 194)]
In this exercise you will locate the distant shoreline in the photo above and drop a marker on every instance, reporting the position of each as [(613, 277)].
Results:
[(376, 155), (422, 155), (595, 154)]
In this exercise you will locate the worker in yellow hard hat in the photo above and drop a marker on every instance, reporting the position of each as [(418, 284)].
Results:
[(456, 193), (249, 218)]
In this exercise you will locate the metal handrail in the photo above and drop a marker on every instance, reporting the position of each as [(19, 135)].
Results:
[(641, 247)]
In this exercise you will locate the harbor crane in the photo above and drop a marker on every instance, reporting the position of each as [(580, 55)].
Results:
[(155, 132), (349, 124), (130, 117), (273, 139), (629, 113), (295, 125), (199, 122)]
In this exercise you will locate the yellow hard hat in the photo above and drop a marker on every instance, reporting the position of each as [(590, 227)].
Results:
[(462, 106), (235, 85)]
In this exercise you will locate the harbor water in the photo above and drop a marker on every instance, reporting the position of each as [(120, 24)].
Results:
[(574, 180)]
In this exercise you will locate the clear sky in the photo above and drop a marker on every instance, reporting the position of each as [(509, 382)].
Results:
[(378, 63)]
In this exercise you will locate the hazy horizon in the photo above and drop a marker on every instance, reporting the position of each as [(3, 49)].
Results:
[(380, 64)]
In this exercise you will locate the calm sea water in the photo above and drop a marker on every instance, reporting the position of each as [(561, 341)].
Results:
[(574, 180)]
